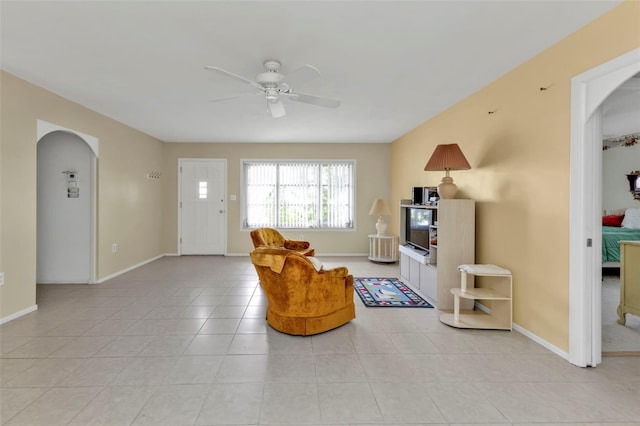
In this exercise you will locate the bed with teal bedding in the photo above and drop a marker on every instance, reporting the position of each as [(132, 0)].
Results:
[(610, 247)]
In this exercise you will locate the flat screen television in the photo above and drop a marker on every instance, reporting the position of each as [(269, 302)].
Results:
[(418, 222)]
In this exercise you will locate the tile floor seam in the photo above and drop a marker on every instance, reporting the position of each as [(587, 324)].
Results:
[(164, 298), (492, 404)]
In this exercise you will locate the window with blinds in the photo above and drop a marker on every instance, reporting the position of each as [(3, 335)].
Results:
[(298, 194)]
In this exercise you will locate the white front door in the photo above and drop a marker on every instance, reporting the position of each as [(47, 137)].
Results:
[(202, 206)]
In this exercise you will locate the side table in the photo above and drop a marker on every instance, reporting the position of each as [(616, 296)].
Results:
[(383, 248), (498, 291)]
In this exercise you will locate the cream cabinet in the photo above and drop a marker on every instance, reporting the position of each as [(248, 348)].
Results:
[(629, 280), (451, 243)]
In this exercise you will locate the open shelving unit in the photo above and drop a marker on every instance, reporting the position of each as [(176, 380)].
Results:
[(435, 273), (498, 291)]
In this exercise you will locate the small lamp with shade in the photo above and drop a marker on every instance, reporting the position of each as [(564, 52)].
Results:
[(447, 157), (380, 209)]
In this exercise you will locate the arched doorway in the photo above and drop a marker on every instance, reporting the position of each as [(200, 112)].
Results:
[(588, 91), (66, 206)]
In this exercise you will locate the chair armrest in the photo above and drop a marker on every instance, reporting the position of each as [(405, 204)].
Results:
[(340, 271), (296, 245)]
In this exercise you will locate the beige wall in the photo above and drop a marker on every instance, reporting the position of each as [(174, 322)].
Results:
[(372, 181), (520, 177), (129, 205), (520, 160), (136, 213)]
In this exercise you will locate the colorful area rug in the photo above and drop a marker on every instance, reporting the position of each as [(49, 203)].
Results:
[(387, 292)]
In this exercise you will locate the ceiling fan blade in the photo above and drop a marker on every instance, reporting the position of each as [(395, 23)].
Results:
[(314, 100), (235, 77), (276, 108), (224, 98), (301, 75)]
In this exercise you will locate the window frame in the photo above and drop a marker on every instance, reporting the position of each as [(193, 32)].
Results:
[(319, 162)]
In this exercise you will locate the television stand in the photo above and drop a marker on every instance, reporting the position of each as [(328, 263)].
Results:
[(451, 243), (418, 250), (416, 253)]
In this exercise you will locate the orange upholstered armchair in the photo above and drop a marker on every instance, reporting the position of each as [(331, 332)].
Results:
[(272, 238), (302, 300)]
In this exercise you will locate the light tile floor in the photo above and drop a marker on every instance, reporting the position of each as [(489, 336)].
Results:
[(617, 337), (183, 341)]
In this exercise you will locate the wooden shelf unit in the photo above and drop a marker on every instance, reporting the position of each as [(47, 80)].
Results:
[(434, 274), (498, 290), (475, 319)]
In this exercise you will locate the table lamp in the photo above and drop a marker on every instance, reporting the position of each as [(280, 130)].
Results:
[(380, 208), (447, 157)]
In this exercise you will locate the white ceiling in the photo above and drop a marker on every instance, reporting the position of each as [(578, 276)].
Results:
[(393, 64)]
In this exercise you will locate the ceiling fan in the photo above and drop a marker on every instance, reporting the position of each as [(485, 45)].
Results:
[(275, 86)]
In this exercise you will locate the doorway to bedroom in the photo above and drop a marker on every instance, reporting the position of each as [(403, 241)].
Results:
[(588, 92), (620, 156)]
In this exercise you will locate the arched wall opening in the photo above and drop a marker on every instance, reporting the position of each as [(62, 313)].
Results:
[(588, 91), (66, 206)]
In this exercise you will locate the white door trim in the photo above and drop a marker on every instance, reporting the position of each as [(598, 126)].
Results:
[(588, 91), (181, 161), (43, 128)]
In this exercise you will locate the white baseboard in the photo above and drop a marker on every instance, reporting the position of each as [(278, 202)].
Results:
[(481, 307), (342, 255), (19, 314), (317, 255), (553, 348), (131, 268)]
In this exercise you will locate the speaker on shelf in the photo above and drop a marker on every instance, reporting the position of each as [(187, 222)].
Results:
[(432, 195), (424, 195), (417, 196)]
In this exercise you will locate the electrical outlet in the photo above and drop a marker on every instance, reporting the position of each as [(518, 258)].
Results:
[(114, 247), (1, 278)]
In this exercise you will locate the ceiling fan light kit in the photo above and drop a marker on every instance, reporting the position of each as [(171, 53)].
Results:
[(274, 85)]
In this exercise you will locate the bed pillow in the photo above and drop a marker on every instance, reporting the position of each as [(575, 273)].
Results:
[(614, 212), (631, 219), (612, 220)]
